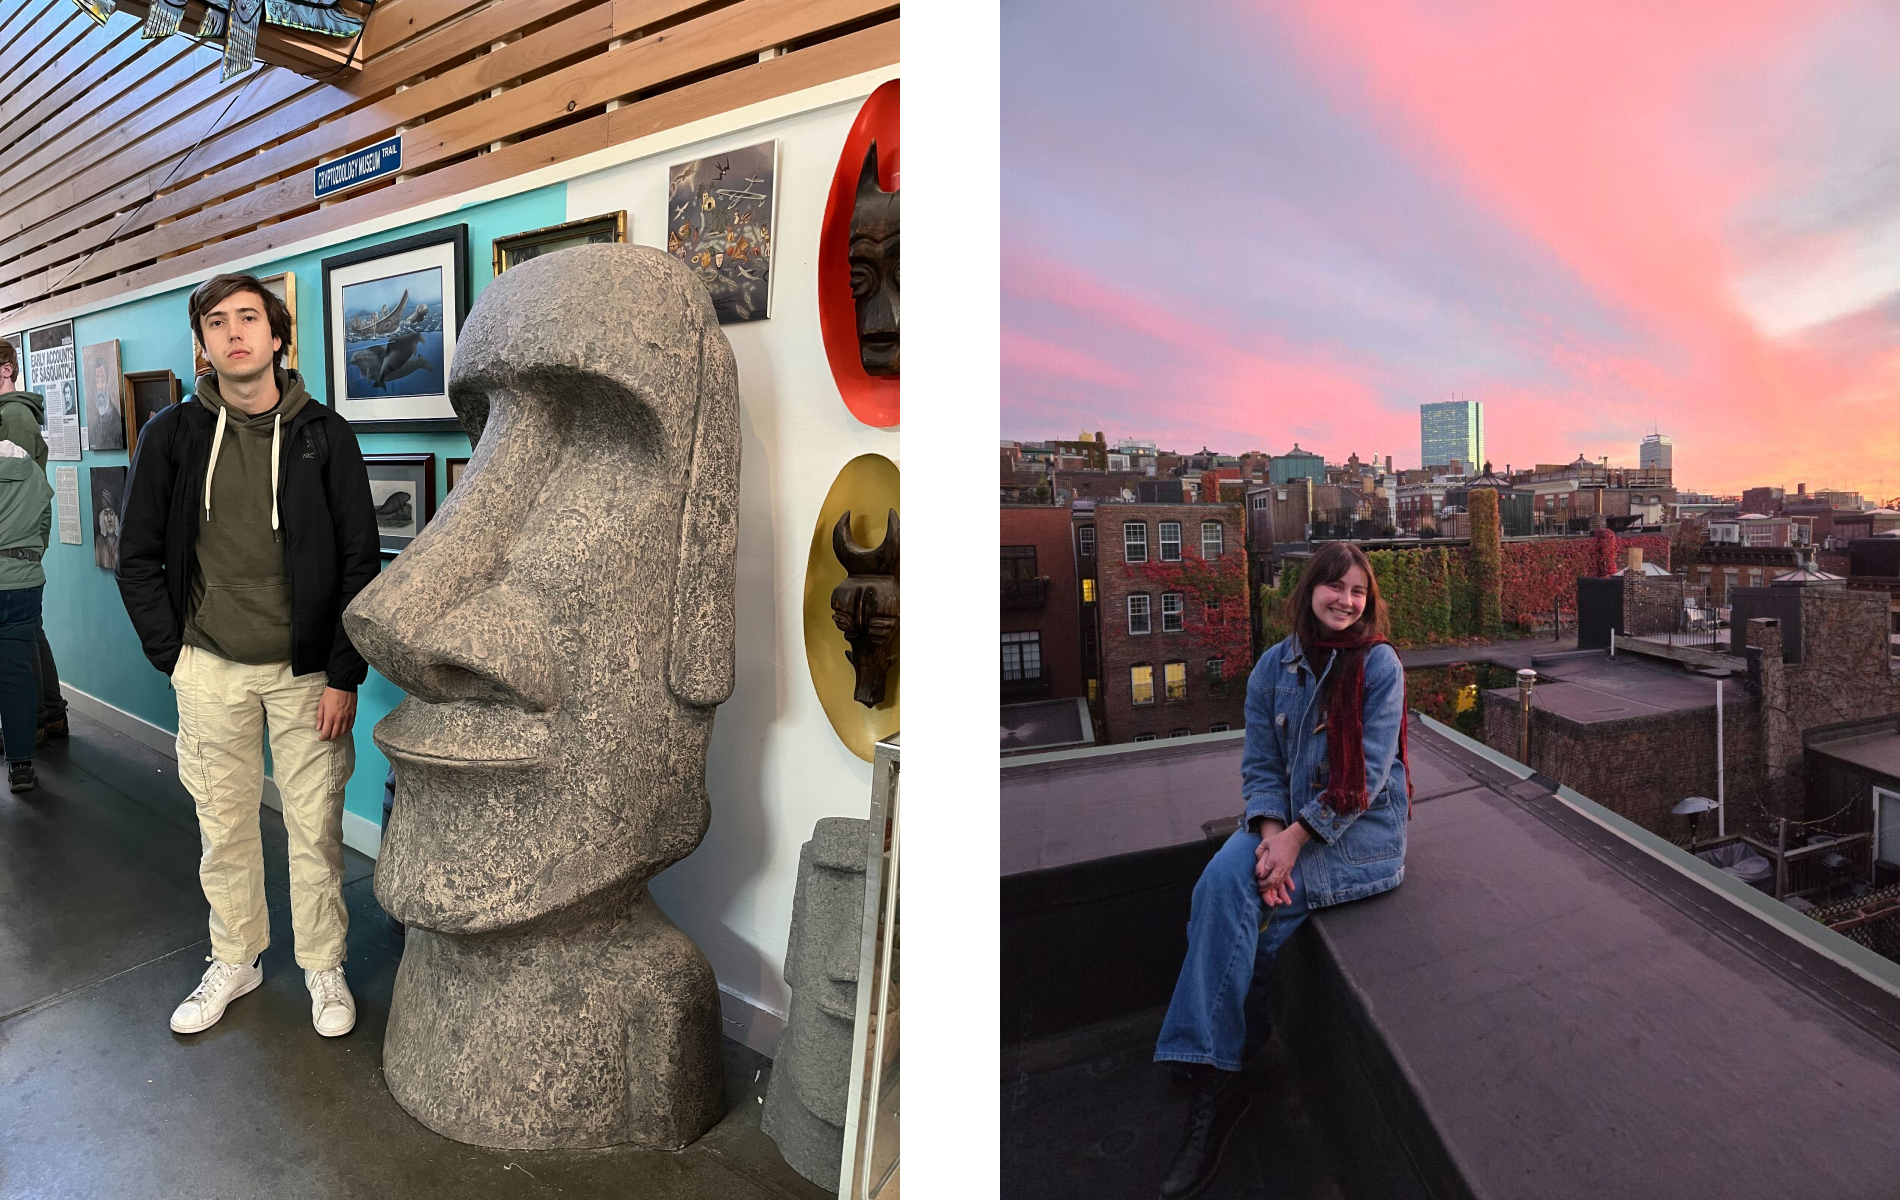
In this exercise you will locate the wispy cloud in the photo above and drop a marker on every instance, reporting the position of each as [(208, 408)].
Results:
[(1252, 223)]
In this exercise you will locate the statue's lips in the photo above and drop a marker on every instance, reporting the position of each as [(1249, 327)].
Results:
[(463, 733)]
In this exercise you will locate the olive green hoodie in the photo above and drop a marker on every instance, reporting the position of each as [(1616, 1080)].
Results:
[(240, 593), (26, 499)]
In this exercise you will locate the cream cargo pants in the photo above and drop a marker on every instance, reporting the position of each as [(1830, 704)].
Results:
[(224, 711)]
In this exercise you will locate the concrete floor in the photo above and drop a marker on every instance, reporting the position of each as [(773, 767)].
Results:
[(103, 933)]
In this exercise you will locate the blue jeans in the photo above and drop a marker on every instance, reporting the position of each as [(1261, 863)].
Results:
[(1219, 1012), (19, 689)]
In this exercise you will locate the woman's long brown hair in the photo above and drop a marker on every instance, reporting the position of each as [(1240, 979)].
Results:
[(1329, 564)]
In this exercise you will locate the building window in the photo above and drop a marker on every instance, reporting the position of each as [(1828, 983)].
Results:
[(1135, 541), (1095, 690), (1145, 737), (1216, 674), (1088, 589), (1141, 682), (1221, 727), (1212, 540), (1089, 651), (1022, 656), (1019, 564), (1175, 675), (1215, 614), (1170, 541), (1754, 577), (1171, 610), (1260, 502), (1182, 733), (1085, 540), (1138, 614)]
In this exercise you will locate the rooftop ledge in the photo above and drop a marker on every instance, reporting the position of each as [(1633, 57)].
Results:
[(1555, 1002)]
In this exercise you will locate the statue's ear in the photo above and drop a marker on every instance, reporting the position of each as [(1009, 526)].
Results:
[(867, 175), (699, 652)]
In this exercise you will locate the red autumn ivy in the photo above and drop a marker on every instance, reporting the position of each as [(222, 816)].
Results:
[(1214, 616)]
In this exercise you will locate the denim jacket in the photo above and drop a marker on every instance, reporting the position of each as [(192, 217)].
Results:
[(1283, 772)]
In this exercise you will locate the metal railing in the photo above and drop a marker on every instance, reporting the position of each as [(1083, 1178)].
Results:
[(1025, 593)]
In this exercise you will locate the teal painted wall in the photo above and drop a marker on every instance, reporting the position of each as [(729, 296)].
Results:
[(85, 619)]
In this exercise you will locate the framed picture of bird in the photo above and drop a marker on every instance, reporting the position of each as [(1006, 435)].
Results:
[(402, 489), (391, 314)]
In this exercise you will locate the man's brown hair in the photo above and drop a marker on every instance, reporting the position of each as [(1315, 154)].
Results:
[(216, 290)]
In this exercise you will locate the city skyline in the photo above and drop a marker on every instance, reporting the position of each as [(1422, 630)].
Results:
[(1313, 219)]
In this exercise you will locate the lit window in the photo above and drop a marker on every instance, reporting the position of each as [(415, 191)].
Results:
[(1170, 541), (1141, 681), (1175, 674), (1171, 609), (1085, 539), (1088, 590), (1095, 690), (1138, 614), (1222, 727), (1212, 540), (1022, 656), (1135, 541)]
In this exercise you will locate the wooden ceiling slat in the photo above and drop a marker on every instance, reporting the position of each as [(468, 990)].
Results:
[(475, 32), (30, 57), (395, 21), (19, 19), (838, 58), (97, 53), (143, 61)]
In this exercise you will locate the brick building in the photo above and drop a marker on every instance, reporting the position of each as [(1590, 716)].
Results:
[(1719, 567), (1041, 600), (1176, 627)]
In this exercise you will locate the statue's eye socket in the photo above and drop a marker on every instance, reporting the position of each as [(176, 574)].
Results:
[(863, 280)]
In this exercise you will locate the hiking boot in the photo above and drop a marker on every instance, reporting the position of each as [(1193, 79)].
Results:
[(1220, 1099), (223, 982), (332, 1008), (20, 776)]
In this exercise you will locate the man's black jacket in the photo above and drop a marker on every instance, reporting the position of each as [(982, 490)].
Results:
[(329, 526)]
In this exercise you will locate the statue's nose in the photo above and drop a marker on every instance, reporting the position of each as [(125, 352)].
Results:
[(488, 646)]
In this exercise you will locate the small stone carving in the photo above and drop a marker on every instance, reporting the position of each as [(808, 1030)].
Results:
[(564, 630), (873, 255), (811, 1077), (864, 606)]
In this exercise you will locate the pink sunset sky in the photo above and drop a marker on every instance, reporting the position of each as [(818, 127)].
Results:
[(1249, 224)]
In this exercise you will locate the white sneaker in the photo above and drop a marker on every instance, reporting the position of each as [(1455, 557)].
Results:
[(332, 1008), (222, 983)]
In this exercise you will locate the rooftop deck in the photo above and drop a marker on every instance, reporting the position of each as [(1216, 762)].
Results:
[(1555, 1003)]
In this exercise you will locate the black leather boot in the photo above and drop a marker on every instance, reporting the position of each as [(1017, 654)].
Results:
[(1219, 1100)]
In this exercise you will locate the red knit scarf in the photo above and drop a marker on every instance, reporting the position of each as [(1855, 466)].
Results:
[(1345, 727)]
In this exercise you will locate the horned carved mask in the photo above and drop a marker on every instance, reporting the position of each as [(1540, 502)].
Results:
[(864, 606), (873, 255)]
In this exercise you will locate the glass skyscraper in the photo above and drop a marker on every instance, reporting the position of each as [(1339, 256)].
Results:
[(1655, 452), (1452, 431)]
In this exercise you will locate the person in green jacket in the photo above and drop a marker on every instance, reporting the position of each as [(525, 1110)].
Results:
[(26, 518)]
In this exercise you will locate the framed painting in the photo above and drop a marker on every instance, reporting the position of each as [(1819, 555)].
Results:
[(517, 248), (455, 468), (402, 488), (719, 223), (391, 314), (284, 286), (105, 395), (108, 497), (147, 392)]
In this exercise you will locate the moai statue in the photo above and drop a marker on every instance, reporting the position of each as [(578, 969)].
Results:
[(564, 630), (872, 251), (811, 1077)]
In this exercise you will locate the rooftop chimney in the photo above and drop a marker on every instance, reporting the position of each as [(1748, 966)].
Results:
[(1636, 560)]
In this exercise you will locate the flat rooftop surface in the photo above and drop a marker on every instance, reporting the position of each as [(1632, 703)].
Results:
[(1083, 805), (1593, 690), (1878, 752), (1045, 723)]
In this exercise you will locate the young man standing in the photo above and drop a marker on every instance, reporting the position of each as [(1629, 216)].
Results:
[(26, 517), (247, 529)]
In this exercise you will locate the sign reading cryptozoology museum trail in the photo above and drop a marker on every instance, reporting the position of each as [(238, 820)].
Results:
[(52, 371), (354, 170)]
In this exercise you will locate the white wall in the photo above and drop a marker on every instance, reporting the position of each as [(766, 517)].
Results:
[(775, 765)]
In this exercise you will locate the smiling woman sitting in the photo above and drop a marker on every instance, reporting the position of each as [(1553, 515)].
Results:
[(1327, 797)]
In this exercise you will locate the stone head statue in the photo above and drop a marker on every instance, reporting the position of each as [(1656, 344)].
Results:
[(873, 255), (864, 606), (564, 630), (811, 1076)]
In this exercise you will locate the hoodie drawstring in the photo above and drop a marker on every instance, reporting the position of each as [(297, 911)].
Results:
[(276, 428), (217, 443)]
